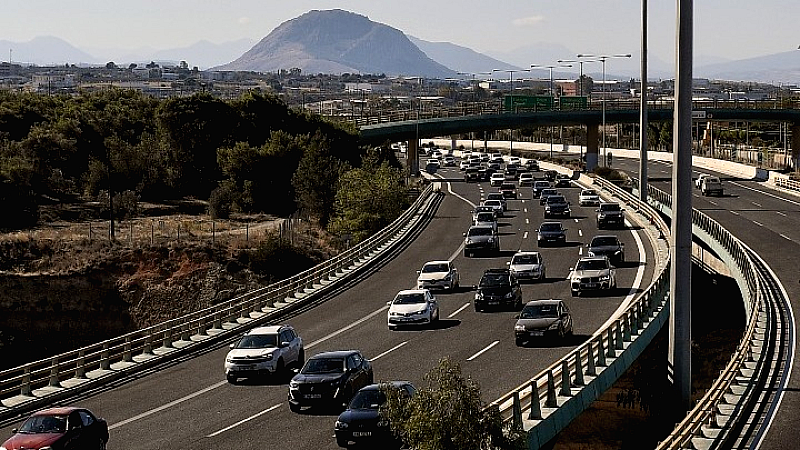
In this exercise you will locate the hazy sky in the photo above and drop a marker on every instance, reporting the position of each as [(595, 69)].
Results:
[(732, 29)]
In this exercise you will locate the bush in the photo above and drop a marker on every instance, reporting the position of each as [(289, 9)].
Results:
[(220, 203), (276, 259), (126, 204)]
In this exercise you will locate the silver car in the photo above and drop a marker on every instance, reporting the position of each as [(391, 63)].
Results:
[(486, 218), (591, 274), (589, 197), (264, 351), (527, 266), (543, 319), (481, 239), (438, 275)]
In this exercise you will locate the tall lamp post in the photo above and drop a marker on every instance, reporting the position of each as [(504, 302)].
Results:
[(602, 59), (511, 100), (552, 94)]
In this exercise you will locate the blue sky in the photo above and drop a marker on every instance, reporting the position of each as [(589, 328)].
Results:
[(731, 29)]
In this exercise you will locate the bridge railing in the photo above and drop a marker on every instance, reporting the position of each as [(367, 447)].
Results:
[(41, 381)]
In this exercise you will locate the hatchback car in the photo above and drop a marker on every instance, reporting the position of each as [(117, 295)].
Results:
[(264, 351), (498, 288), (60, 428), (608, 246), (527, 266), (543, 319), (412, 307), (471, 174), (361, 422), (592, 273), (438, 275), (329, 379), (589, 197), (481, 239), (610, 214), (551, 233)]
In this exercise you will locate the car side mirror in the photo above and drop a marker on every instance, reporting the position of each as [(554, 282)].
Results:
[(388, 303), (232, 346), (284, 344), (14, 430), (508, 263), (419, 272), (464, 234)]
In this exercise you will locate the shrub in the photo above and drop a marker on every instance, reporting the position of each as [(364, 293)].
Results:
[(220, 202)]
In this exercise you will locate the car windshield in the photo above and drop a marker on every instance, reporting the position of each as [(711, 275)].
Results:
[(368, 399), (324, 365), (592, 264), (548, 192), (603, 241), (555, 199), (609, 207), (44, 424), (409, 299), (479, 232), (539, 312), (588, 193), (542, 184), (493, 203), (494, 196), (525, 259), (433, 268), (550, 227), (258, 341), (485, 217), (494, 279)]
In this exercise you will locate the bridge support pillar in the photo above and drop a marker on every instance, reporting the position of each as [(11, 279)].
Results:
[(453, 143), (592, 146), (796, 146), (413, 156)]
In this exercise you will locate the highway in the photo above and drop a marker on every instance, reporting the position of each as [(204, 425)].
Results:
[(189, 405), (765, 219)]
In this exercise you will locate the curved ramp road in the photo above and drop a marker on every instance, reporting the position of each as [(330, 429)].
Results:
[(189, 405)]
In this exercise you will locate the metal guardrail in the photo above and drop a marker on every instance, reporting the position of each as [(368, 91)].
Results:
[(786, 183), (24, 387), (586, 361)]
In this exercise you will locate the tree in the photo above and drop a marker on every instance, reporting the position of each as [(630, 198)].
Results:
[(447, 414), (316, 178)]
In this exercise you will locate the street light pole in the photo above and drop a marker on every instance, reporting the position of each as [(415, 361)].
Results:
[(511, 101), (643, 135), (552, 95)]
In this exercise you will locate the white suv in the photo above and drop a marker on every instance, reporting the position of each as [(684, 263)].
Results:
[(264, 351)]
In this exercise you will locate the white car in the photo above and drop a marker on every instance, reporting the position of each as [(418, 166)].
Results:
[(699, 180), (591, 274), (496, 204), (463, 164), (526, 179), (589, 197), (438, 275), (412, 307), (527, 266), (514, 160), (264, 351), (497, 179)]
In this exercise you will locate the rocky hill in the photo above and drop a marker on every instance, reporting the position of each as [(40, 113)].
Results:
[(337, 41)]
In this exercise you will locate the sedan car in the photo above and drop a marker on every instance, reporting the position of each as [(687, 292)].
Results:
[(526, 179), (463, 165), (498, 196), (543, 319), (498, 288), (589, 197), (481, 238), (497, 179), (551, 233), (547, 193), (361, 422), (610, 214), (438, 275), (563, 180), (412, 307), (539, 186), (496, 205), (556, 206), (329, 379), (485, 218), (60, 428), (527, 266), (264, 351), (608, 246), (592, 273), (471, 174)]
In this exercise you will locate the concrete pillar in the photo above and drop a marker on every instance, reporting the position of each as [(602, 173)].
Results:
[(536, 408), (453, 143), (592, 146), (413, 156), (796, 145)]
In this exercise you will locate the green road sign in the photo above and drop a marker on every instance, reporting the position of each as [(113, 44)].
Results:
[(527, 103), (572, 102)]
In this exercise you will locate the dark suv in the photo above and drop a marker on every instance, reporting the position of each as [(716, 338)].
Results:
[(329, 379), (498, 288), (608, 246), (509, 190), (556, 205), (610, 214)]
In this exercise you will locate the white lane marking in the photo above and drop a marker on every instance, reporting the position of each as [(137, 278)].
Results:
[(168, 405), (580, 251), (576, 220), (217, 433), (768, 194), (634, 292), (713, 202), (352, 325), (524, 210), (734, 213), (785, 237), (757, 204), (580, 233), (388, 351), (758, 223), (483, 351), (527, 221), (525, 235), (781, 213), (466, 305), (450, 190)]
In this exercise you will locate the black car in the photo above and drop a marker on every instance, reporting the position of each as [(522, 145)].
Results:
[(556, 205), (563, 180), (509, 190), (551, 233), (532, 164), (608, 246), (498, 288), (547, 193), (471, 174), (610, 214), (539, 186), (329, 379), (362, 423)]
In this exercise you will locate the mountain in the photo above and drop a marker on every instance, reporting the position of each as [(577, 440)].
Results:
[(47, 51), (337, 41), (461, 59), (777, 68), (203, 54)]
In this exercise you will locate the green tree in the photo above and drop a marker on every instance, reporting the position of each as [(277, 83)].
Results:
[(316, 178), (447, 414)]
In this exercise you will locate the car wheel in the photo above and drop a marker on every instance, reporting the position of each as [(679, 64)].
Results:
[(466, 254), (544, 276), (477, 309), (280, 369), (101, 445), (576, 293), (392, 327), (342, 442), (231, 379), (519, 342), (294, 408), (301, 358), (561, 333)]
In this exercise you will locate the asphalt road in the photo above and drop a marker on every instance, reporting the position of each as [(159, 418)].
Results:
[(190, 405)]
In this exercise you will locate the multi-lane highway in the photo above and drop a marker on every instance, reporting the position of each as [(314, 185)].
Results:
[(189, 405)]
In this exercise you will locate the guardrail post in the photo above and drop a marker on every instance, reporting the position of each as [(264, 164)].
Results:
[(25, 388), (611, 353), (536, 408), (590, 368), (601, 353), (565, 385), (517, 419), (202, 327), (245, 314), (167, 342), (218, 320), (639, 321), (126, 354), (578, 369), (105, 357), (148, 345), (626, 322), (551, 401), (54, 374), (80, 367), (185, 332), (618, 338)]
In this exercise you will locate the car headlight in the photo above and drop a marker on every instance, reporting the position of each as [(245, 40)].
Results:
[(491, 240), (229, 359), (553, 326), (591, 253), (519, 327), (605, 277), (468, 241), (479, 295), (394, 314), (339, 425), (509, 294), (267, 356), (294, 384), (617, 252)]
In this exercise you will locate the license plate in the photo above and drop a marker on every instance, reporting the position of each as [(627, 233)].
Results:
[(591, 285), (537, 333), (493, 303), (362, 434), (312, 396), (243, 368)]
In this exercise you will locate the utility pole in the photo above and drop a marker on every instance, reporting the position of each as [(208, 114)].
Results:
[(643, 137)]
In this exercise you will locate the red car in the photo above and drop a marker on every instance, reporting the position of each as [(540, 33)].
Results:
[(66, 428)]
